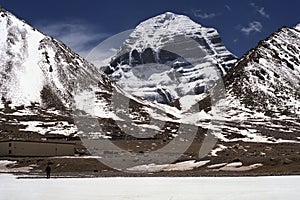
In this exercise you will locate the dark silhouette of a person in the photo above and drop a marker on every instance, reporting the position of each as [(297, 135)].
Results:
[(48, 171)]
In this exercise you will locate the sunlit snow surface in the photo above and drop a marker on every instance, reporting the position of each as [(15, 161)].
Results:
[(246, 188)]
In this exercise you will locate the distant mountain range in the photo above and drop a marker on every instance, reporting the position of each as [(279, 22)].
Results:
[(243, 111)]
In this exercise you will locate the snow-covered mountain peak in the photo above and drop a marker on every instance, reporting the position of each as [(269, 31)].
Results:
[(169, 22), (159, 30), (177, 56), (164, 18), (167, 19)]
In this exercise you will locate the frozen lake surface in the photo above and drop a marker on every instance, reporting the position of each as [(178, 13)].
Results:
[(276, 187)]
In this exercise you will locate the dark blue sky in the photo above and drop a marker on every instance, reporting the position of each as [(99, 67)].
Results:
[(82, 24)]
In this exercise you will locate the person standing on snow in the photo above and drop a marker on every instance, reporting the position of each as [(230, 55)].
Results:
[(48, 170)]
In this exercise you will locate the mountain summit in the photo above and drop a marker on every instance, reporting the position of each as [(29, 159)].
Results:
[(169, 56)]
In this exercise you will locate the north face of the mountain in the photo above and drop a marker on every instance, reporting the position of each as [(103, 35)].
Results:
[(169, 56)]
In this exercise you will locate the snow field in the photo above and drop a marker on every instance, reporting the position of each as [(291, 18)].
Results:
[(193, 188)]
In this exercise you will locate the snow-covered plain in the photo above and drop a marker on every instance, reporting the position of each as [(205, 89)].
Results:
[(282, 187)]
